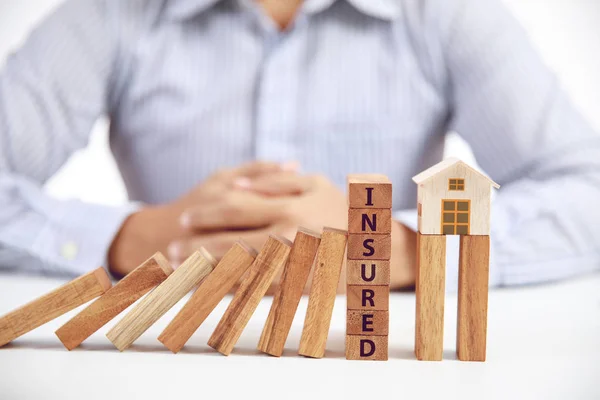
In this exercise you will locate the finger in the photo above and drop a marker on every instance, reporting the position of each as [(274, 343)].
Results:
[(259, 168), (217, 244), (281, 184), (237, 210)]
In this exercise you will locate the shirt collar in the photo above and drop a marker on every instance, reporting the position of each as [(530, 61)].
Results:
[(383, 9)]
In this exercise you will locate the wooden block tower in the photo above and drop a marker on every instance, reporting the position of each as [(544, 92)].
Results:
[(368, 266), (453, 199)]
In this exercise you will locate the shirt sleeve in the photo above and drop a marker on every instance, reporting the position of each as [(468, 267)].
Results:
[(528, 137), (51, 93)]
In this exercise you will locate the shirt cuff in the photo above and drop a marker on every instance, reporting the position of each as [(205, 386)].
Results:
[(77, 236)]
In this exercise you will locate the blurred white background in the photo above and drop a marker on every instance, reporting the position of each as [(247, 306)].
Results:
[(567, 33)]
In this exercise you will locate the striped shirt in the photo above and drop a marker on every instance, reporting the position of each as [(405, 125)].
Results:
[(192, 86)]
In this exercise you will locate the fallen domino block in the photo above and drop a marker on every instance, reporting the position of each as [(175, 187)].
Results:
[(54, 304), (161, 299), (126, 292), (213, 289), (269, 261), (286, 299)]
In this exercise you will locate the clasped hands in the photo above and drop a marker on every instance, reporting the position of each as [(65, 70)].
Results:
[(249, 203)]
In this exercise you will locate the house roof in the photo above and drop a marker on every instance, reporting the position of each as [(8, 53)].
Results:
[(445, 164)]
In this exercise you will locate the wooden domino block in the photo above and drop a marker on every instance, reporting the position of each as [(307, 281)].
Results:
[(360, 347), (271, 258), (369, 191), (473, 276), (161, 299), (287, 297), (212, 290), (370, 323), (137, 283), (368, 272), (368, 297), (369, 220), (53, 304), (369, 247), (429, 290), (326, 276)]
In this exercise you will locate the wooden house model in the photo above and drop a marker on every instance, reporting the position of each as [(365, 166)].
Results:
[(454, 199)]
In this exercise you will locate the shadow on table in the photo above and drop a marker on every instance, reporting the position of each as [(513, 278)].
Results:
[(54, 345)]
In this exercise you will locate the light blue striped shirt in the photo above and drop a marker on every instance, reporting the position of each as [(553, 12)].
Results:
[(192, 86)]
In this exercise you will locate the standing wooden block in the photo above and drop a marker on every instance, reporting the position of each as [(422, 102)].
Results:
[(368, 272), (287, 297), (161, 299), (216, 285), (369, 191), (369, 220), (54, 304), (430, 290), (271, 258), (369, 247), (326, 276), (360, 347), (368, 297), (137, 283), (370, 323), (473, 276)]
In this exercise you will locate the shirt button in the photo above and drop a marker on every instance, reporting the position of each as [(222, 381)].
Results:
[(69, 251)]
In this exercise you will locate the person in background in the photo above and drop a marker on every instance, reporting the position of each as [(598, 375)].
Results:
[(198, 90)]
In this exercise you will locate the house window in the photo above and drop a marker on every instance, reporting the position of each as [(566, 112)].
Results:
[(456, 217), (456, 184)]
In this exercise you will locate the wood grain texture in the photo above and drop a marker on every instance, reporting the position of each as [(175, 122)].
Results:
[(161, 299), (287, 297), (369, 247), (369, 323), (360, 347), (137, 283), (369, 220), (430, 290), (213, 289), (367, 297), (326, 276), (368, 272), (270, 260), (473, 276), (369, 191), (53, 304)]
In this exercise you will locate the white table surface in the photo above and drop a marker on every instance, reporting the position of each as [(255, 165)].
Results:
[(543, 343)]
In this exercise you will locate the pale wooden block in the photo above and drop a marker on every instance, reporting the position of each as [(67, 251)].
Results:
[(53, 304), (369, 220), (371, 272), (271, 258), (434, 186), (287, 297), (326, 276), (369, 191), (213, 289), (367, 297), (473, 276), (429, 290), (161, 299), (369, 323), (137, 283), (360, 347), (369, 247)]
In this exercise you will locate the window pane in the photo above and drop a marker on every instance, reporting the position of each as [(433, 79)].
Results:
[(448, 230), (449, 205), (460, 187), (462, 218), (463, 206), (453, 181), (449, 217), (460, 181), (452, 187), (462, 230)]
